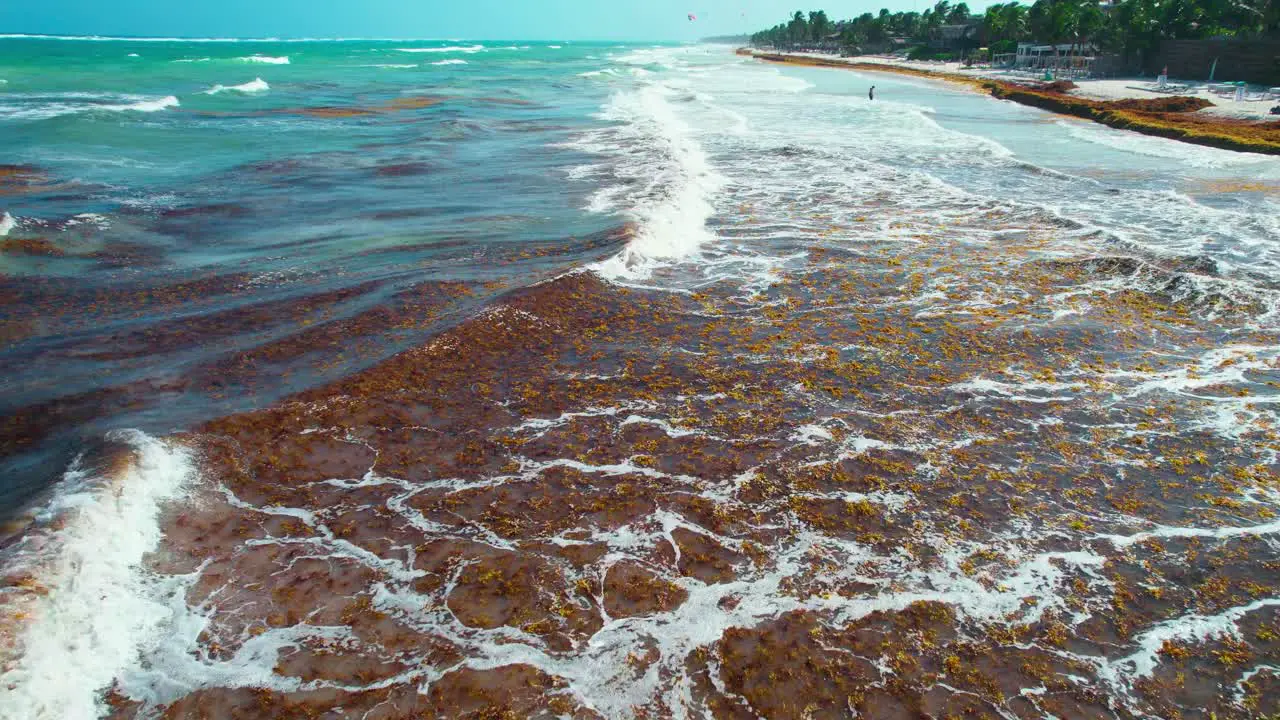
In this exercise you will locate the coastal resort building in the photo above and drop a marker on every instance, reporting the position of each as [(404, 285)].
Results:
[(959, 39), (1072, 58)]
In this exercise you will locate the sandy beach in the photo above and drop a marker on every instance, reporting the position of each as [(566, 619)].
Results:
[(1131, 88), (1258, 108), (1188, 115)]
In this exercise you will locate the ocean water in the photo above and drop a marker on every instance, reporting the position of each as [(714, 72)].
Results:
[(399, 379)]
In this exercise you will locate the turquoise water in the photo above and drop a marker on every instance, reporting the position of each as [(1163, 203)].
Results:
[(264, 172)]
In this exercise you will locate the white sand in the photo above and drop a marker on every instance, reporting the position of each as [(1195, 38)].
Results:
[(1258, 108), (1123, 89)]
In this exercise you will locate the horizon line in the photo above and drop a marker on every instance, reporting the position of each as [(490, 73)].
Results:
[(177, 38)]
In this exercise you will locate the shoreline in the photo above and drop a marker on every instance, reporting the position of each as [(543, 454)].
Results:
[(1159, 117)]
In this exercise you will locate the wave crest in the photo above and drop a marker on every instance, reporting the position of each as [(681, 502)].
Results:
[(265, 59), (257, 85), (449, 49), (675, 179)]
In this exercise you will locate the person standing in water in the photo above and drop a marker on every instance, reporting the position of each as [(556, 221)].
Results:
[(871, 94)]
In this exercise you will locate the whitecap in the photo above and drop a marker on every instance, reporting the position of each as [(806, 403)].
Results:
[(450, 62), (393, 66), (257, 85), (449, 49), (284, 60), (109, 38), (7, 223), (134, 55), (146, 106)]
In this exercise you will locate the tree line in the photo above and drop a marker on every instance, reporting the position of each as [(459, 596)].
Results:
[(1124, 26)]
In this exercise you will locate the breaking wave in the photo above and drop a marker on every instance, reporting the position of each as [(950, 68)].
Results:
[(450, 49), (257, 85), (284, 60), (77, 608), (667, 181)]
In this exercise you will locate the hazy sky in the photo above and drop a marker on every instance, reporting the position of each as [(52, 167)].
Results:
[(469, 19)]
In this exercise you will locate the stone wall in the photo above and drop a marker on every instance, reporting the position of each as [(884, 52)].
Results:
[(1255, 61)]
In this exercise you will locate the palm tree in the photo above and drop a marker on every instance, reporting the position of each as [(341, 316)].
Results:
[(1089, 21), (819, 26), (1013, 19), (959, 14), (797, 29)]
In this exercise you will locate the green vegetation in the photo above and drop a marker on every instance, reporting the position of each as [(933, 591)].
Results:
[(1125, 26)]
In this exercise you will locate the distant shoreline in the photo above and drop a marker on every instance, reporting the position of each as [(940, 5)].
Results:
[(1166, 117)]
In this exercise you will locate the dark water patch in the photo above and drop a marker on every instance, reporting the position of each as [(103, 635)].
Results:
[(121, 254), (31, 246), (54, 298), (357, 340), (403, 214), (214, 211), (23, 179), (510, 102), (175, 334), (35, 439), (404, 169)]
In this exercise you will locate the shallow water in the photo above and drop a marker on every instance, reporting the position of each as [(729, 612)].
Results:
[(201, 228), (933, 405)]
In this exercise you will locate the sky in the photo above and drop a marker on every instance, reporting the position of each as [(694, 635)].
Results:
[(461, 19)]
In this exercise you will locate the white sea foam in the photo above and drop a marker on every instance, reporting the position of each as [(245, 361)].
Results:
[(146, 106), (257, 85), (1190, 628), (134, 55), (450, 49), (113, 38), (265, 59), (393, 66), (46, 106), (7, 223), (674, 204), (450, 62), (95, 610)]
